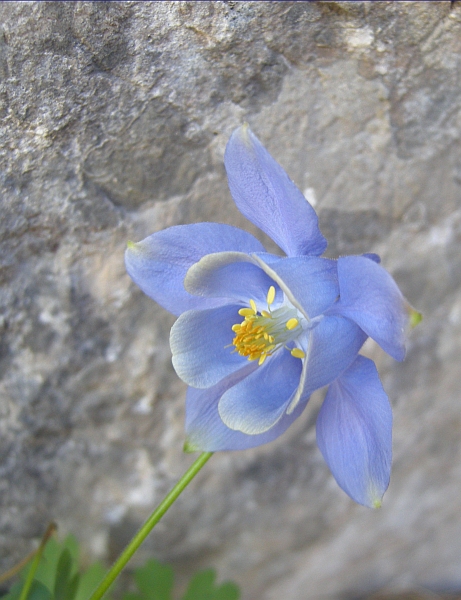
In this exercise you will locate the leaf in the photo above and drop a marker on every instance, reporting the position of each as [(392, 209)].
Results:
[(89, 580), (227, 591), (46, 570), (201, 586), (37, 592), (154, 580), (14, 592), (72, 587), (63, 571)]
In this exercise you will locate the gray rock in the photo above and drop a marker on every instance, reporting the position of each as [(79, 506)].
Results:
[(114, 120)]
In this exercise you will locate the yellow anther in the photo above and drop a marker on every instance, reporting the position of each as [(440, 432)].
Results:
[(270, 295), (262, 358), (260, 334), (292, 323)]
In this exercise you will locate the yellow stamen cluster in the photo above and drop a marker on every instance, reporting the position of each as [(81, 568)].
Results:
[(259, 335)]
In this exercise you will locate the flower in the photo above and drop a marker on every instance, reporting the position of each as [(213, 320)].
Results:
[(258, 333)]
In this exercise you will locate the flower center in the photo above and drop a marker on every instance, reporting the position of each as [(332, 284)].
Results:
[(260, 334)]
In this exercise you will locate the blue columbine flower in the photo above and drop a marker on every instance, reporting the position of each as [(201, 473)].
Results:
[(258, 333)]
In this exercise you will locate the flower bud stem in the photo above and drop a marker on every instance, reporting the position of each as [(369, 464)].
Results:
[(145, 529)]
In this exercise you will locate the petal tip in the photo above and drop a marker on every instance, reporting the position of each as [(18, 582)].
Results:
[(134, 249), (189, 447), (415, 317), (244, 134)]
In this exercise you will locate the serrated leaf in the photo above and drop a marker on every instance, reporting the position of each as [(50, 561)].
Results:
[(227, 591), (201, 586), (63, 572), (154, 580)]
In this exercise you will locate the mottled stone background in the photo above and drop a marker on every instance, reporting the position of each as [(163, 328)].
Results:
[(114, 120)]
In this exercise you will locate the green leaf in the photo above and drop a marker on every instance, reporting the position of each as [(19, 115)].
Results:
[(227, 591), (37, 592), (73, 587), (154, 580), (14, 592), (130, 596), (46, 571), (89, 580), (72, 545), (63, 571), (201, 586)]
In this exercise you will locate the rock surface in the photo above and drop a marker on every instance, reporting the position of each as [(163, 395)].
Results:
[(114, 120)]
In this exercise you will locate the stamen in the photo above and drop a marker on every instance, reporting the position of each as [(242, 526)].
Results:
[(270, 295), (292, 323), (260, 334)]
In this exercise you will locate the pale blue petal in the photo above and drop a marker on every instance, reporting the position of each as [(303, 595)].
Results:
[(370, 297), (201, 344), (257, 403), (159, 263), (354, 433), (332, 347), (205, 429), (231, 275), (265, 194), (310, 282), (372, 256)]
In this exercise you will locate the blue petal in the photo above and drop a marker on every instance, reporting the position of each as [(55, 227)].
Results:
[(370, 297), (354, 433), (372, 256), (228, 274), (309, 282), (264, 193), (159, 263), (205, 429), (332, 347), (258, 402), (201, 343)]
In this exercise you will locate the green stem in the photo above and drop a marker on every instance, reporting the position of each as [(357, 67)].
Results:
[(33, 567), (155, 517)]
